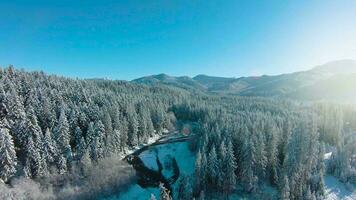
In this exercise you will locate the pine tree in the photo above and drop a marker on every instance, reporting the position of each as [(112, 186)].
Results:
[(124, 134), (230, 166), (204, 171), (133, 126), (33, 159), (285, 191), (80, 144), (249, 161), (108, 124), (272, 155), (142, 124), (198, 172), (8, 159), (213, 168), (114, 142), (97, 145), (49, 148), (17, 117), (308, 194), (63, 137), (85, 161), (222, 165), (34, 131), (261, 159), (61, 164), (91, 134)]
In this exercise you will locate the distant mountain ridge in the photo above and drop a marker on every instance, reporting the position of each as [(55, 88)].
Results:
[(319, 83)]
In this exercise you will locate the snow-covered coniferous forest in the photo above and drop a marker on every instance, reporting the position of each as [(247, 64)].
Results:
[(165, 138)]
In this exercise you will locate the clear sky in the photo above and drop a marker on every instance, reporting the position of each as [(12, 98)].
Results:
[(128, 39)]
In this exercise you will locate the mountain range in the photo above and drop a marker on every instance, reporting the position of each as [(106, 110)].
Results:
[(333, 81)]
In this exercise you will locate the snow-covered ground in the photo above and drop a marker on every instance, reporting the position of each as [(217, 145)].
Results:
[(335, 190), (327, 156), (150, 141), (180, 151)]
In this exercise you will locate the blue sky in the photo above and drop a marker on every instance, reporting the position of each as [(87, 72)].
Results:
[(130, 39)]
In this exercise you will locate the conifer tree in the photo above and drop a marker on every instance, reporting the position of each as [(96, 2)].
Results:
[(213, 168), (62, 136), (49, 147), (285, 191), (33, 159), (8, 159), (229, 168), (197, 172)]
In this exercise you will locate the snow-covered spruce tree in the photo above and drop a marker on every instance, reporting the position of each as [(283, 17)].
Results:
[(113, 142), (261, 159), (197, 174), (133, 125), (204, 170), (142, 132), (61, 164), (62, 136), (8, 159), (222, 157), (80, 144), (34, 131), (124, 134), (33, 167), (85, 161), (284, 189), (107, 125), (49, 147), (230, 166), (16, 116), (97, 145), (91, 134), (272, 153), (248, 175), (213, 170)]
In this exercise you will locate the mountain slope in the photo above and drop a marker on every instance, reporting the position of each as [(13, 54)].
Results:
[(322, 82), (182, 81)]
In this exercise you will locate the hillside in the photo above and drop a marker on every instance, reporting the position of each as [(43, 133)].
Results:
[(320, 83)]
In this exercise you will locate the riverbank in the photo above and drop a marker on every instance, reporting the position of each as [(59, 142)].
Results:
[(166, 148)]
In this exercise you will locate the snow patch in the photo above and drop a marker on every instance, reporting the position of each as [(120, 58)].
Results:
[(327, 156), (336, 190)]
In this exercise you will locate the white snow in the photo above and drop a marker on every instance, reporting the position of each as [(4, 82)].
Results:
[(335, 190), (150, 141), (327, 155), (180, 151)]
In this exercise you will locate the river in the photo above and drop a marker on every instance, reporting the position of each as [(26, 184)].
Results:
[(163, 161)]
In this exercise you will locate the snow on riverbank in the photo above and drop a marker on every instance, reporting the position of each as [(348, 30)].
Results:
[(335, 190), (180, 151), (150, 141)]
